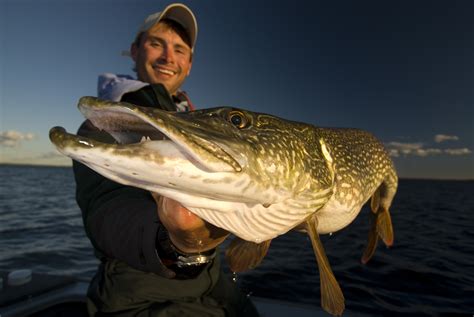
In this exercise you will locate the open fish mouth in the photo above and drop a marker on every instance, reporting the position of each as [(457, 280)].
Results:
[(148, 131)]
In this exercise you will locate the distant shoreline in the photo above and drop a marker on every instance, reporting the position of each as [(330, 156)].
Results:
[(401, 178), (35, 165)]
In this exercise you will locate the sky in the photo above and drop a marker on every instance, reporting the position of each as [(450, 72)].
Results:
[(403, 70)]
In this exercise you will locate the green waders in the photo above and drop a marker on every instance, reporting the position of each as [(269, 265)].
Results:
[(119, 290)]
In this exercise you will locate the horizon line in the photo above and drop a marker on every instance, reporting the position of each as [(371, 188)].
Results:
[(70, 166)]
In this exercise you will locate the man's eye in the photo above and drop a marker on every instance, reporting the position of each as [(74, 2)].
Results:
[(181, 51), (156, 44)]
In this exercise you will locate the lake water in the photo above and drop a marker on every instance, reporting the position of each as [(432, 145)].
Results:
[(428, 272)]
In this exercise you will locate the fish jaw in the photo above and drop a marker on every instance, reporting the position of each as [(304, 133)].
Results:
[(158, 166), (105, 115)]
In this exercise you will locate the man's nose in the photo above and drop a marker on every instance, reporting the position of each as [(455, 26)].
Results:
[(167, 55)]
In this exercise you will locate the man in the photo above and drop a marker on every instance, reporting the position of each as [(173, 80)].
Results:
[(157, 258)]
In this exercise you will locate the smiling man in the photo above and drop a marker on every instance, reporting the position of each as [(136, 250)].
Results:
[(163, 54), (157, 258)]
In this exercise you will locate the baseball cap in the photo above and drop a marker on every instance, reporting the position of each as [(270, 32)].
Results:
[(177, 12)]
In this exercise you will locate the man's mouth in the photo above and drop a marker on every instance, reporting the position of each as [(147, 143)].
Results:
[(164, 71)]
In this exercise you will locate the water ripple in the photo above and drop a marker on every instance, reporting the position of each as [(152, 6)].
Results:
[(428, 272)]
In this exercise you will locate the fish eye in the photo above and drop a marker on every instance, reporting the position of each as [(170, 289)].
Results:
[(238, 119)]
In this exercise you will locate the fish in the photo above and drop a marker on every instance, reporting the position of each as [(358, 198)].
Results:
[(255, 175)]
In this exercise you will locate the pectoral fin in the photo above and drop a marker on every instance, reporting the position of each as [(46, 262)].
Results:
[(244, 255), (332, 299)]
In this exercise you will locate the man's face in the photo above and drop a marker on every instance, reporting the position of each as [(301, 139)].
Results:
[(162, 58)]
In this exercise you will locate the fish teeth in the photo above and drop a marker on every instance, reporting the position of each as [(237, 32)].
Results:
[(145, 139)]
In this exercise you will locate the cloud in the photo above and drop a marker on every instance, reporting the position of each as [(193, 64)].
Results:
[(51, 158), (442, 137), (405, 146), (393, 152), (50, 155), (463, 151), (427, 152), (12, 138), (416, 149), (397, 149)]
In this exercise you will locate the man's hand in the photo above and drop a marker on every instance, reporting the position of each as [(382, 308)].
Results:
[(188, 232)]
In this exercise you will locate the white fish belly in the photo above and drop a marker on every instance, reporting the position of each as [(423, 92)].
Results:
[(255, 223), (335, 216)]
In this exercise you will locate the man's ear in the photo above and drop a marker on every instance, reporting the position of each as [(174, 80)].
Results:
[(134, 51)]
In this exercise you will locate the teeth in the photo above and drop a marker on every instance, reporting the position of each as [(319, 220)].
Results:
[(145, 139), (165, 71)]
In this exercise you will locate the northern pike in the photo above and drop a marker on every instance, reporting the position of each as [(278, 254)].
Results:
[(253, 174)]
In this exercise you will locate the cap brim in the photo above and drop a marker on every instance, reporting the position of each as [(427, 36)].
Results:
[(177, 12), (183, 15)]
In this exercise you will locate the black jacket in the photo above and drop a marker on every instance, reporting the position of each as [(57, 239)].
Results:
[(121, 221)]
